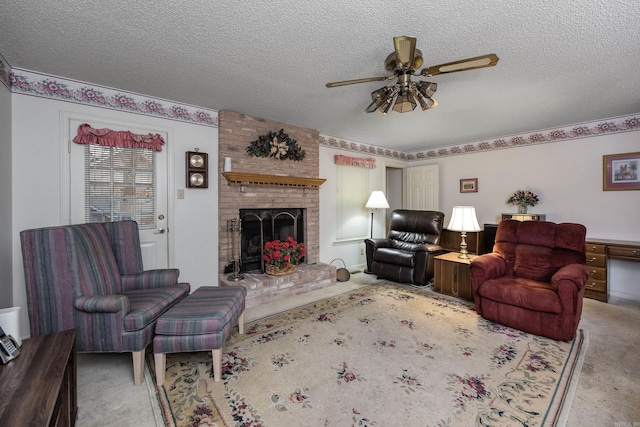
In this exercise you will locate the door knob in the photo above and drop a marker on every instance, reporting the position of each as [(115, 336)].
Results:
[(159, 231)]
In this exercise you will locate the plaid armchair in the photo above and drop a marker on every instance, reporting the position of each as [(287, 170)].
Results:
[(90, 277)]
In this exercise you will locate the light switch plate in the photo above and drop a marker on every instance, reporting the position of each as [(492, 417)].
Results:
[(180, 193)]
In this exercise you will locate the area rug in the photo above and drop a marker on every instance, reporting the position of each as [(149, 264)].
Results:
[(383, 355)]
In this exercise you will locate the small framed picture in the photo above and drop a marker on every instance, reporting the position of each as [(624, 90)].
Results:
[(620, 171), (469, 185)]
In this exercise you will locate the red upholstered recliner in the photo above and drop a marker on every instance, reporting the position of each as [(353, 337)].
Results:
[(534, 279)]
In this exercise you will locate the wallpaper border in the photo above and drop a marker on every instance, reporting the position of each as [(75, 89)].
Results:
[(583, 130), (46, 86)]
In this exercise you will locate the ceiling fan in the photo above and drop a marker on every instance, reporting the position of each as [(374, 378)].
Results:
[(404, 62)]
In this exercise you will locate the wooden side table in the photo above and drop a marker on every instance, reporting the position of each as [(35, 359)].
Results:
[(39, 386), (452, 276)]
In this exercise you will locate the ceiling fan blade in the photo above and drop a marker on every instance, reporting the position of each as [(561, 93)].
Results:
[(355, 81), (462, 65), (405, 50)]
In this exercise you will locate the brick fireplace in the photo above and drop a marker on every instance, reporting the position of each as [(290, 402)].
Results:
[(236, 132), (263, 225)]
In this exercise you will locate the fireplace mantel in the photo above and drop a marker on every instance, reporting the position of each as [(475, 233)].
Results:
[(242, 178)]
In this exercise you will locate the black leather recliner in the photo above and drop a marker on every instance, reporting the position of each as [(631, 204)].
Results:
[(406, 255)]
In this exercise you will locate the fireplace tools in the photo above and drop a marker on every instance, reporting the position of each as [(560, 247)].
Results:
[(233, 226)]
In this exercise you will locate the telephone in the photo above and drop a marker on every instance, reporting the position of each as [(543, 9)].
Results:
[(8, 347)]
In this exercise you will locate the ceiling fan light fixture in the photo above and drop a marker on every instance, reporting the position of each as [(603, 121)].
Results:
[(384, 109), (421, 100), (422, 103), (403, 62), (427, 89), (404, 103), (383, 99), (431, 103), (371, 108), (380, 96)]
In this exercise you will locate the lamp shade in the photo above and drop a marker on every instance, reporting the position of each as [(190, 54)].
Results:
[(463, 218), (377, 200)]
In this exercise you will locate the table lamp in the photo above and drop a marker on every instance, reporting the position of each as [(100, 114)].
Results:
[(463, 219)]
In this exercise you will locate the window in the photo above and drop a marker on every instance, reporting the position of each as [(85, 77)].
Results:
[(120, 184), (353, 189)]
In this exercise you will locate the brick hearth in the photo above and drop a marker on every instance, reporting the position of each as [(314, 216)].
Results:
[(263, 289)]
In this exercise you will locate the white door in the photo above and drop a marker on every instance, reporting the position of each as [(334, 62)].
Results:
[(124, 185), (421, 188)]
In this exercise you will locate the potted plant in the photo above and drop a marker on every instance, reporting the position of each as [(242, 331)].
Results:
[(523, 199), (282, 257)]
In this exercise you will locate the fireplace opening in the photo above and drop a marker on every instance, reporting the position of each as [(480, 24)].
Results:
[(263, 225)]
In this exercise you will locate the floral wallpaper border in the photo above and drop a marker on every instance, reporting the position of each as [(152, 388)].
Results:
[(584, 130), (37, 84)]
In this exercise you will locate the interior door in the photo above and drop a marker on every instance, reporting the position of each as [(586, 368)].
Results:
[(152, 222), (421, 188)]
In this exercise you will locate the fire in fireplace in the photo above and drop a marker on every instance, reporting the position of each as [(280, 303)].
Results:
[(263, 225)]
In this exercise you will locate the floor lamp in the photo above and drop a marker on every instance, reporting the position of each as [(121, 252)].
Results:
[(463, 219), (376, 201)]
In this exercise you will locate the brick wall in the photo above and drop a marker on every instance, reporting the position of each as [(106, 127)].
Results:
[(236, 132)]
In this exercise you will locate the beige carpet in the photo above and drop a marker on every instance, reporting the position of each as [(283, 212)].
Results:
[(381, 355)]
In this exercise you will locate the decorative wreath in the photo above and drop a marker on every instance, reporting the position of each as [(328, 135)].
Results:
[(278, 145)]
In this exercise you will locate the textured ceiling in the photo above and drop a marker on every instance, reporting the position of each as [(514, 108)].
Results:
[(561, 61)]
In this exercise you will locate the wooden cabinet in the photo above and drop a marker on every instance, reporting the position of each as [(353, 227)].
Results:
[(39, 386), (597, 267), (452, 276), (525, 217), (599, 251)]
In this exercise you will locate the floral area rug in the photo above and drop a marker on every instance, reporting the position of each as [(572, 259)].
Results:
[(383, 355)]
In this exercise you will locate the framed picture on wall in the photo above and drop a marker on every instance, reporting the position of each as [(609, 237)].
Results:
[(620, 171), (469, 185)]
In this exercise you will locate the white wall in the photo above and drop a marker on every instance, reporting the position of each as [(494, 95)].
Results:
[(6, 289), (566, 175), (394, 180), (350, 252), (36, 175)]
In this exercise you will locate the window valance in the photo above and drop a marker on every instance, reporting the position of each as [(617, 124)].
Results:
[(123, 138), (369, 163)]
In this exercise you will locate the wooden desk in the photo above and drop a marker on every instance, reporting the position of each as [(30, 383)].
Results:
[(39, 386), (452, 276), (599, 251)]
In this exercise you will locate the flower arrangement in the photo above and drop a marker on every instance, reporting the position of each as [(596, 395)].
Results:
[(278, 145), (282, 255), (523, 199)]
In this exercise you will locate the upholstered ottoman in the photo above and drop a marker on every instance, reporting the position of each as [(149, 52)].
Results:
[(200, 322)]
